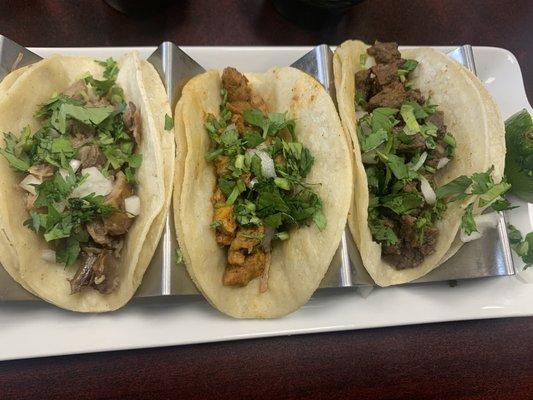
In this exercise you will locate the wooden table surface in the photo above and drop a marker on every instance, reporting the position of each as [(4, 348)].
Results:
[(490, 359)]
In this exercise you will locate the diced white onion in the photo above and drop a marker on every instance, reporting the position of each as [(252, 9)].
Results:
[(360, 114), (132, 205), (94, 183), (442, 162), (267, 163), (427, 191), (483, 223), (370, 157), (267, 239), (28, 182), (48, 255), (252, 182), (74, 164), (231, 127), (420, 161)]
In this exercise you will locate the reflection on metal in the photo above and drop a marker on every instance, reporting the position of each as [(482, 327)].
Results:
[(14, 56), (464, 56), (165, 277)]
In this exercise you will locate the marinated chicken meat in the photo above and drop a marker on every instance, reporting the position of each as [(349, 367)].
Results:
[(246, 259), (240, 97)]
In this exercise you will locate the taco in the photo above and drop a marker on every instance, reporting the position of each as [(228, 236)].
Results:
[(86, 173), (429, 147), (262, 188)]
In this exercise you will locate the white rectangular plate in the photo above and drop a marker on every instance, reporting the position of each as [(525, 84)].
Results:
[(36, 329)]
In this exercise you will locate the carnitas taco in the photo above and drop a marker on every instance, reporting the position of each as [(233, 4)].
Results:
[(262, 188), (429, 149), (86, 171)]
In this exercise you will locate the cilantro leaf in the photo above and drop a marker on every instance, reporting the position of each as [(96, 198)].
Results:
[(513, 234), (179, 257), (380, 231), (523, 249), (407, 67), (252, 140), (16, 161), (493, 193), (373, 140), (255, 117), (69, 253), (169, 122), (402, 203), (468, 225), (409, 118), (455, 189)]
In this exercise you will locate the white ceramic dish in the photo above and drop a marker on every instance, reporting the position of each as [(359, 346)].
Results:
[(36, 329)]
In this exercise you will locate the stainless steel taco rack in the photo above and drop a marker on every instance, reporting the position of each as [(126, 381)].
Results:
[(485, 257)]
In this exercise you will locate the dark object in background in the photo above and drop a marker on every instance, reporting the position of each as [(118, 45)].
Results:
[(138, 7), (314, 14)]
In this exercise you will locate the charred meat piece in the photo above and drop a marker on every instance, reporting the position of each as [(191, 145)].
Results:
[(42, 171), (384, 52), (417, 143), (104, 272), (410, 187), (430, 241), (80, 132), (98, 232), (416, 95), (133, 122), (121, 190), (436, 154), (118, 223), (392, 96), (437, 119), (363, 83), (385, 74), (91, 156), (84, 275)]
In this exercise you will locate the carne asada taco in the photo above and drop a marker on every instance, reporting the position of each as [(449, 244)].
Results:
[(262, 188), (429, 141), (85, 178)]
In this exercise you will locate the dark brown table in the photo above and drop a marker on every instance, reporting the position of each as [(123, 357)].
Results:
[(491, 359)]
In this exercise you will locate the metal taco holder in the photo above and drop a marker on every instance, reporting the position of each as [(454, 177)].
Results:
[(164, 277)]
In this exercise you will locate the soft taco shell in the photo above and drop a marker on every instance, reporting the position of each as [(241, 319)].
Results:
[(23, 260), (299, 264), (470, 115)]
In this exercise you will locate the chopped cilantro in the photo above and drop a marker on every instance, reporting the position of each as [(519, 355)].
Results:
[(409, 118), (362, 59), (455, 189), (169, 122), (468, 225), (523, 248), (407, 67), (179, 257), (402, 203)]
